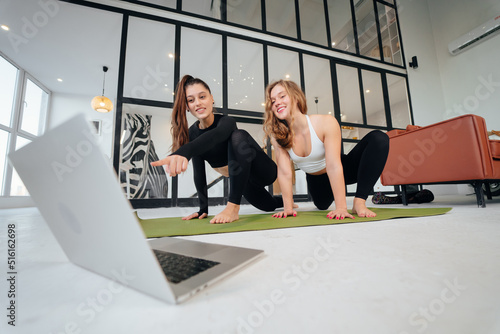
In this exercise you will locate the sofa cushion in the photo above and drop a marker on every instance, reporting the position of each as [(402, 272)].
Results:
[(495, 149)]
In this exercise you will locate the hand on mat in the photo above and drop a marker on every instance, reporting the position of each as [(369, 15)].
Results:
[(285, 213), (195, 215), (174, 164), (339, 214)]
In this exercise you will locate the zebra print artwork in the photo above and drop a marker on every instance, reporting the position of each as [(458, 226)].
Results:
[(144, 180)]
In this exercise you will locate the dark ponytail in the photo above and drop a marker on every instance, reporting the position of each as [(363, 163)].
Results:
[(179, 130)]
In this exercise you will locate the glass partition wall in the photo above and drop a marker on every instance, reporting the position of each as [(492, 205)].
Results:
[(157, 51), (359, 27)]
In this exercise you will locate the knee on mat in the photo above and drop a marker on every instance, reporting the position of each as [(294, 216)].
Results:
[(322, 205)]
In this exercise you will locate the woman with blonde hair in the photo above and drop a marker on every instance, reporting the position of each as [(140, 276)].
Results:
[(230, 151), (313, 143)]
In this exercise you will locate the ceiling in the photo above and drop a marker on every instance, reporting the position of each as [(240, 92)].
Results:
[(62, 40)]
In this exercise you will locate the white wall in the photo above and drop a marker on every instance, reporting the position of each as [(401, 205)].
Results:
[(446, 86), (425, 81), (463, 75), (64, 106)]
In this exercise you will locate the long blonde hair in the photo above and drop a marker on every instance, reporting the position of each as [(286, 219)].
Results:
[(179, 130), (280, 129)]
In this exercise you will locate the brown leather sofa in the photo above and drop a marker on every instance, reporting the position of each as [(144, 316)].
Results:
[(457, 150)]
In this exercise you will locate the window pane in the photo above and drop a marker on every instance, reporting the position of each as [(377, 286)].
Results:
[(347, 146), (246, 12), (367, 30), (164, 3), (318, 85), (374, 98), (210, 8), (350, 103), (300, 185), (145, 137), (352, 132), (351, 188), (17, 187), (398, 98), (312, 21), (341, 29), (256, 131), (245, 75), (390, 36), (280, 17), (35, 108), (149, 68), (283, 64), (7, 90), (201, 57), (4, 141)]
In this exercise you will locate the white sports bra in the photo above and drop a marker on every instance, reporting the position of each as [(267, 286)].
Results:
[(315, 161)]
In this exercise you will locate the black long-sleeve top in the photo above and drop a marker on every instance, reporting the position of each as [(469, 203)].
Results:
[(211, 145)]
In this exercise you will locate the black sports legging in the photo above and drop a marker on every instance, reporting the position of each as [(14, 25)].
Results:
[(250, 170), (363, 165)]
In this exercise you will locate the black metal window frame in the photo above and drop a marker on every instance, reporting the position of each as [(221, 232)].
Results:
[(243, 116), (224, 20)]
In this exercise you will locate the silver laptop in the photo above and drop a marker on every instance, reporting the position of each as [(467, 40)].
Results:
[(76, 190)]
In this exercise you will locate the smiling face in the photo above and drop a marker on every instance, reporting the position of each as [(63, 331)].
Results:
[(282, 105), (199, 102), (280, 102)]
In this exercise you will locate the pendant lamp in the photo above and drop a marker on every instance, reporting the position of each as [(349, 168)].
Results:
[(102, 103)]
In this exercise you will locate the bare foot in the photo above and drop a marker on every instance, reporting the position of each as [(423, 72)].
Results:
[(359, 208), (228, 215)]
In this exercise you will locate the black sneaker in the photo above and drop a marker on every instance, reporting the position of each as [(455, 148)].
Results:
[(423, 196), (380, 198)]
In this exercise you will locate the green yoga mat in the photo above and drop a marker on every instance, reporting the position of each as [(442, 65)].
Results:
[(163, 227)]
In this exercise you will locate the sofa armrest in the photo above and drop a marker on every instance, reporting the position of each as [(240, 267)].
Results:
[(453, 150)]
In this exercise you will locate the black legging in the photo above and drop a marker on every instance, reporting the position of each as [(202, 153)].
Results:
[(250, 170), (363, 165)]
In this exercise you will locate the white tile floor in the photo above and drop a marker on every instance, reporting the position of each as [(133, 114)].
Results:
[(436, 274)]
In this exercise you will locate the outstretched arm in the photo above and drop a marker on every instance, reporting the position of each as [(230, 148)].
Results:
[(204, 142), (174, 164), (177, 162), (332, 139), (284, 180)]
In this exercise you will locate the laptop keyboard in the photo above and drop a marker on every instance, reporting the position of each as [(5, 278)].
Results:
[(178, 268)]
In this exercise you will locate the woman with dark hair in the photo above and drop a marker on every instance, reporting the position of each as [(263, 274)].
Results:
[(313, 143), (230, 151)]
